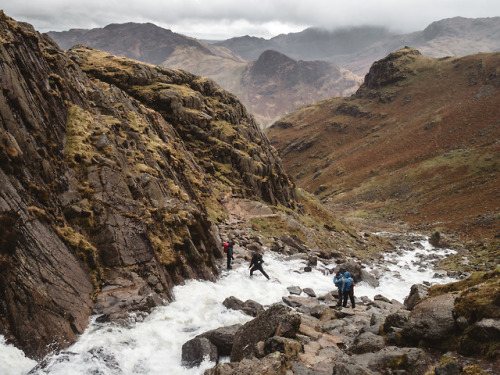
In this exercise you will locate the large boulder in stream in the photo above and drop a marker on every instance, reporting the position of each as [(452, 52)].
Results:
[(249, 307), (195, 350), (278, 320), (222, 338)]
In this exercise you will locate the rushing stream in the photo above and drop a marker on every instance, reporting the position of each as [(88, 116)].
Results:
[(153, 345)]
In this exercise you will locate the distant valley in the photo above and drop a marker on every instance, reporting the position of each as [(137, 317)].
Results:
[(300, 68)]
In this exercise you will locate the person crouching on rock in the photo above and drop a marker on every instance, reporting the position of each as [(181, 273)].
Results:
[(337, 280), (256, 264), (347, 287)]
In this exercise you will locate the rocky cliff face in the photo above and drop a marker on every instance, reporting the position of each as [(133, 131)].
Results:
[(112, 175)]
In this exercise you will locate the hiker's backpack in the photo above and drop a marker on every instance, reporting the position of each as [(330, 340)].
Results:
[(226, 246)]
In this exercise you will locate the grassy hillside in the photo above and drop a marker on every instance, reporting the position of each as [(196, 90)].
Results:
[(419, 143)]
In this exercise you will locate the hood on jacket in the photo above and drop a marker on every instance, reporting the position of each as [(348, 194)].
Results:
[(347, 274)]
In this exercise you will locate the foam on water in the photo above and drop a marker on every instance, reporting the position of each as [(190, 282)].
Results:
[(12, 360), (153, 345)]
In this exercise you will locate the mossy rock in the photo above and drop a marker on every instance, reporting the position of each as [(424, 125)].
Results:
[(479, 297)]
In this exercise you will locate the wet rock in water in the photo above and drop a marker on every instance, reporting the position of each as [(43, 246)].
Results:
[(312, 261), (222, 338), (440, 274), (294, 290), (369, 278), (354, 268), (195, 350), (278, 320), (249, 307), (367, 342), (310, 292), (432, 319), (307, 269)]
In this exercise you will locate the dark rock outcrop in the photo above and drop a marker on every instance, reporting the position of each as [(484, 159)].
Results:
[(278, 320), (108, 169), (195, 350), (222, 338)]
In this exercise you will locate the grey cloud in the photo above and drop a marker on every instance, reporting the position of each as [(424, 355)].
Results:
[(229, 18)]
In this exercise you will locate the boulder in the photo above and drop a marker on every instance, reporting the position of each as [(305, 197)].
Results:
[(396, 319), (350, 369), (481, 339), (278, 320), (451, 368), (430, 320), (382, 298), (273, 364), (417, 293), (312, 261), (367, 342), (369, 278), (294, 290), (195, 350), (249, 307), (354, 268), (310, 292), (222, 338), (410, 360), (289, 347)]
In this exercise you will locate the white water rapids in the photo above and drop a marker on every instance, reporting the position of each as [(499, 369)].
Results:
[(153, 345)]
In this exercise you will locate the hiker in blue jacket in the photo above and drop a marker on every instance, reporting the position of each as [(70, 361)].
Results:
[(347, 288), (337, 280)]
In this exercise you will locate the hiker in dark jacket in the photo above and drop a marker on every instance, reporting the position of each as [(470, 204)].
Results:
[(347, 288), (230, 254), (337, 280), (256, 264)]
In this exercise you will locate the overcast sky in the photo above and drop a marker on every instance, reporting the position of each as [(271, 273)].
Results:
[(223, 19)]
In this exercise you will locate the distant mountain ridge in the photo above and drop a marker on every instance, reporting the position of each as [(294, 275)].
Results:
[(355, 49), (140, 41), (345, 55), (288, 85)]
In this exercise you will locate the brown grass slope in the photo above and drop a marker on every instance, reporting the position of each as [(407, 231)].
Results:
[(418, 142)]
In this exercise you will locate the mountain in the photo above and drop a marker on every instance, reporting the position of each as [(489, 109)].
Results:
[(355, 49), (275, 84), (140, 41), (310, 44), (417, 143), (117, 182), (287, 86)]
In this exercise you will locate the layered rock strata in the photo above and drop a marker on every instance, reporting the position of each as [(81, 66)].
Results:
[(112, 175)]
